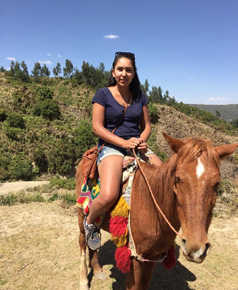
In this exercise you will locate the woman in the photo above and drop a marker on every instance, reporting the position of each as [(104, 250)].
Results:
[(134, 130)]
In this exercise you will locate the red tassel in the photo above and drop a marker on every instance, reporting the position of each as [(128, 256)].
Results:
[(123, 259), (170, 261), (118, 226)]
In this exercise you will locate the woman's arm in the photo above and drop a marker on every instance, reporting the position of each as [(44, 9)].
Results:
[(145, 124), (104, 134)]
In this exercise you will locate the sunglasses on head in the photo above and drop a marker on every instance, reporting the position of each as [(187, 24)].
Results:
[(130, 54)]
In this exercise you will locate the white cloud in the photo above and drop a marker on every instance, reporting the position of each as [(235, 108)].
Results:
[(59, 55), (111, 36), (49, 54), (45, 62), (216, 100), (11, 58)]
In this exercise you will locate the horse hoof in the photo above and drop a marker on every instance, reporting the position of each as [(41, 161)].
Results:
[(100, 276), (84, 287)]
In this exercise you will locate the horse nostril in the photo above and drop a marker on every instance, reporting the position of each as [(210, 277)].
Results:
[(184, 241), (208, 245)]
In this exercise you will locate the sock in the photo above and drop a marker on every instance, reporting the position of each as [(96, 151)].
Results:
[(89, 225)]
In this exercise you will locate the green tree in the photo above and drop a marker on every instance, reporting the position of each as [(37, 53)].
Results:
[(68, 69), (45, 71), (57, 69), (25, 75), (2, 69), (145, 86), (36, 72)]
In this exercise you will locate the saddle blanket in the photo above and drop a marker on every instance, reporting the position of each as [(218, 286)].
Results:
[(91, 187)]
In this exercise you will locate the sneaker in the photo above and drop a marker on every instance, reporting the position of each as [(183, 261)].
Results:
[(92, 236)]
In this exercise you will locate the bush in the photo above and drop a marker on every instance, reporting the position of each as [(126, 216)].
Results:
[(40, 160), (20, 169), (62, 158), (44, 93), (48, 109), (153, 111), (15, 120), (14, 133), (84, 137), (57, 183), (3, 115)]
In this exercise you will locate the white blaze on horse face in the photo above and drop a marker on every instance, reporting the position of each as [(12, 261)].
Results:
[(200, 168)]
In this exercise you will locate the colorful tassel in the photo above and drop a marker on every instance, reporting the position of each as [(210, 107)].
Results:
[(170, 261), (123, 259)]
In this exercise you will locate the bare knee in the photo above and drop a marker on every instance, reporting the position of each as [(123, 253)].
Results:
[(108, 198)]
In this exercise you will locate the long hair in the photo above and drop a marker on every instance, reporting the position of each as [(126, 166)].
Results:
[(135, 84)]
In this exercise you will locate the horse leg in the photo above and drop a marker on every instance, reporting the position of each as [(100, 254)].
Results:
[(93, 263), (83, 262), (140, 275)]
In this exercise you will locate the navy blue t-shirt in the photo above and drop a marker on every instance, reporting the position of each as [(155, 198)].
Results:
[(130, 127)]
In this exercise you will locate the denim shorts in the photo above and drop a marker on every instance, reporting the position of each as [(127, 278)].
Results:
[(110, 149)]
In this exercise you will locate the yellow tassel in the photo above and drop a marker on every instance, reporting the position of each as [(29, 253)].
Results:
[(120, 241), (121, 209)]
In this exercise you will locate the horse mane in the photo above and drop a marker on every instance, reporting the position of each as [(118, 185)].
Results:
[(162, 179)]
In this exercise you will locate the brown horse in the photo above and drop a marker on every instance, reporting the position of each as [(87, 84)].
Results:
[(185, 188)]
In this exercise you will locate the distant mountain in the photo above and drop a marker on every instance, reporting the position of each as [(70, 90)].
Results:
[(227, 112)]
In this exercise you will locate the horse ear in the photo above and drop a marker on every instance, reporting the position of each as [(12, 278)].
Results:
[(225, 150), (174, 143)]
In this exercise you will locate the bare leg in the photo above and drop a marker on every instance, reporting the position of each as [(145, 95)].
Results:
[(110, 173), (154, 159)]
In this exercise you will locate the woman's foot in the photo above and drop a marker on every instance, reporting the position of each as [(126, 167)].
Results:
[(92, 235)]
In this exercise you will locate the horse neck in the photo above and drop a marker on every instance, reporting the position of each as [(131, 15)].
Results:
[(161, 181)]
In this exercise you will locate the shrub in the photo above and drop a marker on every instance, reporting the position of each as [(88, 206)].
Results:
[(57, 183), (40, 160), (44, 93), (84, 137), (20, 169), (15, 120), (3, 115), (153, 111), (48, 109), (14, 133), (62, 158)]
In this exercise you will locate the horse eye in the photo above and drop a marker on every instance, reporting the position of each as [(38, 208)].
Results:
[(178, 180)]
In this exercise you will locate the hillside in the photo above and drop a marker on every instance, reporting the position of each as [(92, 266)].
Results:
[(37, 139), (179, 125), (227, 112)]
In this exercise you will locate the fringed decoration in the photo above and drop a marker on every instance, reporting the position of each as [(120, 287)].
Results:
[(121, 209), (119, 234), (170, 261), (123, 259), (118, 226), (120, 241)]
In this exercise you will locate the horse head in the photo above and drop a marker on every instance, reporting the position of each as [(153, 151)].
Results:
[(196, 180)]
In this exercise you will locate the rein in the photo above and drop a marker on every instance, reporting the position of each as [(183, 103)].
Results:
[(153, 198)]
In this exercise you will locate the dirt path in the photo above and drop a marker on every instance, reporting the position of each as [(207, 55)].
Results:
[(39, 250), (8, 187)]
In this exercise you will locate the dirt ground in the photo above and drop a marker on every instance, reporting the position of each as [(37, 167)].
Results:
[(39, 250)]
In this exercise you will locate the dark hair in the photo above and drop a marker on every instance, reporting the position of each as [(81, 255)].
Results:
[(135, 84)]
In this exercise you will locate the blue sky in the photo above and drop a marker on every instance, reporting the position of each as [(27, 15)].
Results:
[(187, 47)]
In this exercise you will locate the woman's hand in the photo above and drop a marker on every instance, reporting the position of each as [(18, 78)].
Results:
[(138, 143), (142, 147), (132, 143)]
